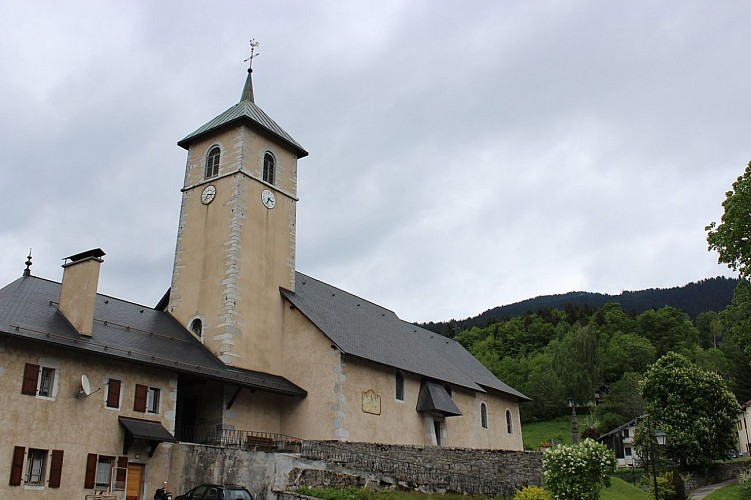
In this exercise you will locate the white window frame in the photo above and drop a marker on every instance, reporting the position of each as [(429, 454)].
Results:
[(36, 466), (153, 400), (104, 464), (47, 379)]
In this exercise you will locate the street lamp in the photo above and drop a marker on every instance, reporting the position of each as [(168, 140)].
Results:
[(574, 423), (658, 437)]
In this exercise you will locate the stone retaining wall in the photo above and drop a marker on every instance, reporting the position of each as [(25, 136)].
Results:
[(435, 468), (342, 464)]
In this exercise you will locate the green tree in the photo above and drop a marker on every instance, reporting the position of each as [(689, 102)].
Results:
[(730, 238), (575, 360), (626, 352), (577, 471), (669, 329), (621, 404), (694, 408)]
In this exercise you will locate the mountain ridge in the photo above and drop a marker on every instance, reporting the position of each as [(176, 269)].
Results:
[(710, 294)]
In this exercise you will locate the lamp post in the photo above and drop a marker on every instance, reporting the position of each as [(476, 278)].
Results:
[(658, 437), (574, 423)]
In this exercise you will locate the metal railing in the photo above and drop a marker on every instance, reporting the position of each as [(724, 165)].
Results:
[(245, 440)]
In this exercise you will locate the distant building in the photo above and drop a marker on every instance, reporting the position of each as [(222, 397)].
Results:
[(620, 440), (95, 389), (744, 436)]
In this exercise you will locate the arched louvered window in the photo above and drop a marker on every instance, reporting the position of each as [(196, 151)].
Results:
[(509, 422), (196, 326), (484, 415), (269, 168), (399, 386), (212, 162)]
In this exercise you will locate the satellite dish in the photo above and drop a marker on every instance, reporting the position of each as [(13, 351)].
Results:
[(85, 386)]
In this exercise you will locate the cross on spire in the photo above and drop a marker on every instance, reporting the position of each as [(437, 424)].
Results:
[(249, 60)]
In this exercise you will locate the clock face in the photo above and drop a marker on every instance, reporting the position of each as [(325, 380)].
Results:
[(208, 194), (268, 199)]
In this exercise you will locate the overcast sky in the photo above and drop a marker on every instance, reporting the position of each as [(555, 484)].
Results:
[(463, 155)]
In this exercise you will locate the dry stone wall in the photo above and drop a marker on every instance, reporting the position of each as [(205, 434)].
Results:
[(342, 464)]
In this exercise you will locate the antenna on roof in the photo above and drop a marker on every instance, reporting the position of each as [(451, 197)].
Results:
[(27, 271), (253, 46)]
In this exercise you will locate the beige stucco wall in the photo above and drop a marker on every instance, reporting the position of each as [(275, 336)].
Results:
[(78, 426), (233, 254), (333, 408), (312, 363)]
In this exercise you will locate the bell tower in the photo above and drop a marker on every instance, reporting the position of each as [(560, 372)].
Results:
[(236, 238)]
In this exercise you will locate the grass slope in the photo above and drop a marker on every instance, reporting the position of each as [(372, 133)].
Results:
[(536, 433), (731, 492), (621, 490)]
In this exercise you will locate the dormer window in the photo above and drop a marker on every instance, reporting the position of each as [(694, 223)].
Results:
[(212, 162), (269, 167)]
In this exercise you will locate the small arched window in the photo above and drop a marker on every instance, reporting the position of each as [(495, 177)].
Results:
[(269, 167), (399, 389), (484, 416), (196, 326), (509, 422), (212, 162)]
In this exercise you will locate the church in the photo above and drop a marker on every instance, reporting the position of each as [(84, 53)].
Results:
[(95, 391)]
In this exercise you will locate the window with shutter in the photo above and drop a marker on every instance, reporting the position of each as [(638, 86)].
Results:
[(104, 465), (139, 402), (16, 469), (113, 393), (121, 473), (56, 469), (90, 471), (30, 379), (35, 467)]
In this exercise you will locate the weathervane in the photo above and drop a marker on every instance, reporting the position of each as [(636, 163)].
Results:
[(253, 46)]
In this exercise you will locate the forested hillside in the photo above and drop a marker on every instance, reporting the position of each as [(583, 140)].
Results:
[(587, 354), (713, 294)]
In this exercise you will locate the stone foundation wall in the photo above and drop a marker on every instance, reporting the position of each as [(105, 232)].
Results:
[(717, 474), (340, 464), (434, 468)]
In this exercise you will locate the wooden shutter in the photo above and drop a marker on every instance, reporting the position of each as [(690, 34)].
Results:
[(139, 403), (30, 378), (122, 469), (56, 468), (88, 482), (16, 469), (113, 393)]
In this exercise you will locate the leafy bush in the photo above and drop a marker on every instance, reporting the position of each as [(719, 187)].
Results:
[(577, 471), (665, 487), (533, 493), (591, 433), (744, 483)]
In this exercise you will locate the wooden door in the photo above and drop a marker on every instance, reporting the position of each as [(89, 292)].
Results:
[(135, 482)]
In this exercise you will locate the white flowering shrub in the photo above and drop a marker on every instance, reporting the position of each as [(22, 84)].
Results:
[(744, 482), (577, 471)]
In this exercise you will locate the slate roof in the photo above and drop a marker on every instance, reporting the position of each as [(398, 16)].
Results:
[(369, 331), (247, 111), (122, 330)]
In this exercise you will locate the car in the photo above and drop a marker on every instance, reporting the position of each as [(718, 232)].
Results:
[(216, 492)]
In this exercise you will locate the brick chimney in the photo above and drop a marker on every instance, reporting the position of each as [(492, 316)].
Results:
[(78, 289)]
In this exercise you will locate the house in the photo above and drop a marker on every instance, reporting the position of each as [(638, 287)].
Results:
[(620, 441), (96, 391), (744, 437)]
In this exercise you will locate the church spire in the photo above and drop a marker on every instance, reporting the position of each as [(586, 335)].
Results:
[(248, 89)]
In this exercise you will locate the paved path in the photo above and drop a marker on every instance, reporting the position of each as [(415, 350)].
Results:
[(700, 493)]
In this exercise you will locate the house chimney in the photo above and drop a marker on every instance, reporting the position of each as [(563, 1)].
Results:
[(78, 289)]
